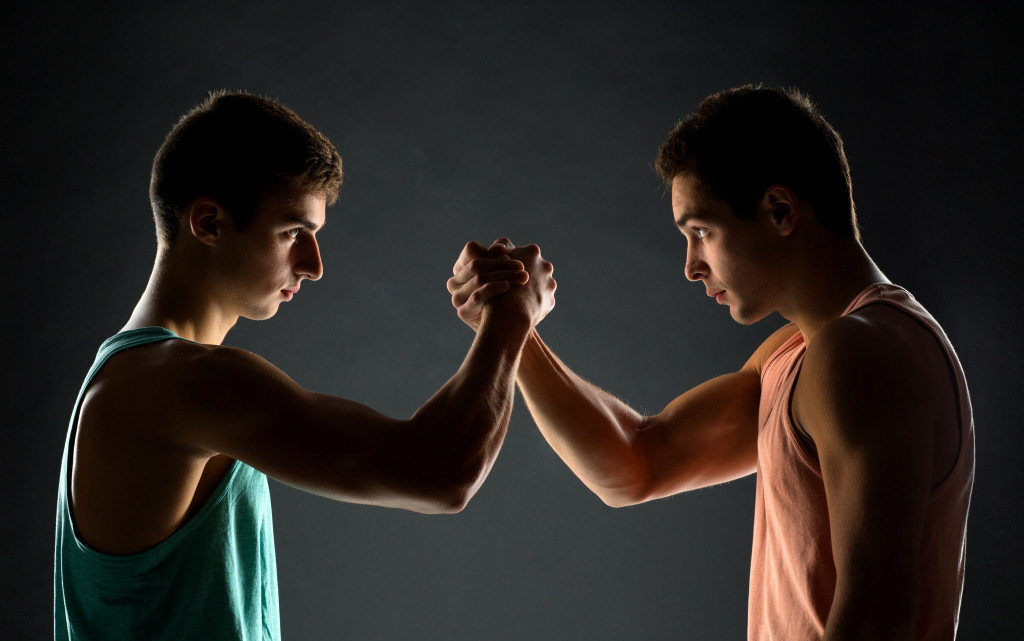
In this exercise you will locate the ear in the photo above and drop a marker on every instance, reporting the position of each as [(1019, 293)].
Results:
[(206, 219), (783, 208)]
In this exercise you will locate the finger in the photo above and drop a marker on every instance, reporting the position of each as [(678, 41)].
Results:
[(462, 291), (474, 304), (482, 266), (528, 250), (471, 251)]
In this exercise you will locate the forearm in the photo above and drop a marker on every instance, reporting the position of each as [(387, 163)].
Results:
[(591, 430), (463, 425)]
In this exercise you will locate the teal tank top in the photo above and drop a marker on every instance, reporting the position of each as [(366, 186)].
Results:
[(214, 578)]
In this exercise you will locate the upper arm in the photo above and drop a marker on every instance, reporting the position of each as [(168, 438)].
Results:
[(234, 403), (707, 435), (863, 398)]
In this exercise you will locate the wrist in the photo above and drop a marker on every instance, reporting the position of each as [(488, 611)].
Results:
[(506, 318)]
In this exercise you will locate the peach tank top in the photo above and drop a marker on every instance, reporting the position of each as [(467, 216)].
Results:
[(792, 574)]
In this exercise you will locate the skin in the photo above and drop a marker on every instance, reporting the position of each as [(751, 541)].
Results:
[(890, 424), (161, 424)]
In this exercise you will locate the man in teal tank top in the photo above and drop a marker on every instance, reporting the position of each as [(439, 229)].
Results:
[(164, 528)]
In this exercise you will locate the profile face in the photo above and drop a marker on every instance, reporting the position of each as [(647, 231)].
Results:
[(265, 263), (731, 257)]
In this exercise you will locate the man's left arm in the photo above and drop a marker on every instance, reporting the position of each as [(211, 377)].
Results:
[(865, 397)]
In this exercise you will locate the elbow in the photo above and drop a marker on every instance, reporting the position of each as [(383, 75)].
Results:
[(450, 470), (877, 612), (454, 502), (615, 501), (618, 500), (458, 476), (448, 500), (452, 490), (622, 495)]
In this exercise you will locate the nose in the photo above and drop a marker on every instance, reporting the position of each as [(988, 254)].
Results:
[(696, 268), (309, 263)]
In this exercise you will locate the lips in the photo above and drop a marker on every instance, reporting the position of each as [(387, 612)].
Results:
[(717, 295), (289, 293)]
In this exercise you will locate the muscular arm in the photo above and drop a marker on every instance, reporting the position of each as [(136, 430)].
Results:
[(706, 436), (243, 407), (865, 397), (159, 426)]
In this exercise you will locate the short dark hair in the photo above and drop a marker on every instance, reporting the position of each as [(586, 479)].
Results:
[(742, 141), (234, 147)]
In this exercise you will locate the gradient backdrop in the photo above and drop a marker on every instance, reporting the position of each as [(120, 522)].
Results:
[(539, 121)]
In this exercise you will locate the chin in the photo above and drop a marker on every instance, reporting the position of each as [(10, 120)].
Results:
[(260, 313), (746, 316)]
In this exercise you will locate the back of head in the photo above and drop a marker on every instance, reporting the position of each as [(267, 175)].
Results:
[(234, 147), (744, 140)]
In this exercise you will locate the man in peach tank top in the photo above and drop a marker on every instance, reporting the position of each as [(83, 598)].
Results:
[(855, 416)]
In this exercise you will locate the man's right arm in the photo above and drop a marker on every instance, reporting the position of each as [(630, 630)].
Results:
[(237, 404), (706, 436)]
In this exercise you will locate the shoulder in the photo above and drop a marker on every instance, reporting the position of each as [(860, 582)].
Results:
[(174, 382), (219, 378), (872, 367), (169, 365), (878, 339)]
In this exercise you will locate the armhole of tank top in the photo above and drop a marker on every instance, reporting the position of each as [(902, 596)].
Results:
[(807, 455), (69, 446), (959, 387)]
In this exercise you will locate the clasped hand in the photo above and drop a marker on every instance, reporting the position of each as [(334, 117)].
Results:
[(483, 274)]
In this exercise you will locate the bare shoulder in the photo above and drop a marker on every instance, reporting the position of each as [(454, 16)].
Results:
[(880, 338), (175, 367), (871, 367), (192, 366), (167, 388)]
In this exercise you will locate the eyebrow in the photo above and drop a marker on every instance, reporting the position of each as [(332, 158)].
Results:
[(305, 222), (688, 216)]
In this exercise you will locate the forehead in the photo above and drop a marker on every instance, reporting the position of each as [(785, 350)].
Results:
[(292, 206), (689, 202)]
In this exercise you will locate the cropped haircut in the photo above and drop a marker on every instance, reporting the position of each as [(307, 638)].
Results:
[(234, 148), (742, 141)]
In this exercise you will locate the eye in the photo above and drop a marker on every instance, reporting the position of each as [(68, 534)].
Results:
[(293, 233), (701, 231)]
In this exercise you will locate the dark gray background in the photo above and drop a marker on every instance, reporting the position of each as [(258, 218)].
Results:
[(539, 121)]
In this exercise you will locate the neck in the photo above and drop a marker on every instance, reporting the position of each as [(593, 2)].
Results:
[(832, 271), (179, 298)]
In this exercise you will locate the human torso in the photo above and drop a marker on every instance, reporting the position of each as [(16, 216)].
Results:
[(133, 482), (792, 572), (213, 575)]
